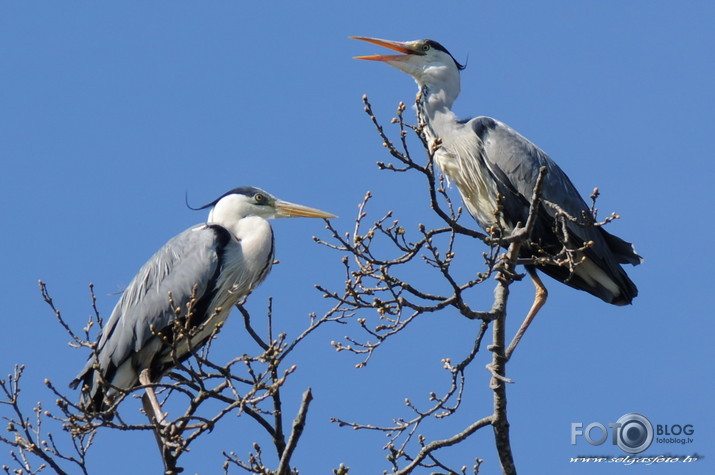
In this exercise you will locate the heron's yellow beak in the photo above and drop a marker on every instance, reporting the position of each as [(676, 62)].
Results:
[(407, 48), (285, 209)]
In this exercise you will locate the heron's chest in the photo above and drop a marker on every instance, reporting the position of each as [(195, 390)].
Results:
[(245, 263), (460, 157)]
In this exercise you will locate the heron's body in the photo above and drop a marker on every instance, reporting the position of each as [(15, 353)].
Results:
[(486, 159), (203, 272), (500, 154)]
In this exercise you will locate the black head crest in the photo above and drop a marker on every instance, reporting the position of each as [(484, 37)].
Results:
[(438, 46), (241, 190)]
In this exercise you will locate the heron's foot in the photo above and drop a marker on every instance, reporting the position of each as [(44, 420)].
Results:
[(493, 384), (498, 350), (505, 271), (162, 420), (170, 437), (168, 434), (158, 418)]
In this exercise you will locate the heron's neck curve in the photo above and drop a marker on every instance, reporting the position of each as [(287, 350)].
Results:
[(437, 100), (232, 210), (436, 107), (440, 87)]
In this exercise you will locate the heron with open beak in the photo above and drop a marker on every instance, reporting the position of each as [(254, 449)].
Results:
[(487, 159)]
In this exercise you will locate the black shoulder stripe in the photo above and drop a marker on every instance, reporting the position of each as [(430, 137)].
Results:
[(269, 261), (223, 236), (483, 126)]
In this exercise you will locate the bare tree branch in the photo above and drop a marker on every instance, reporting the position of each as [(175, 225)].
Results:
[(298, 426), (244, 385), (380, 261)]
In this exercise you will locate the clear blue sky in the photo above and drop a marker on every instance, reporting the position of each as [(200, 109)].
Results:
[(109, 113)]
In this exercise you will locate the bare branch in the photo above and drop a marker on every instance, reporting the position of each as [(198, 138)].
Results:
[(380, 261), (298, 425)]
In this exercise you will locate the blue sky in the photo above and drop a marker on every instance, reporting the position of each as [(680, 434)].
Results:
[(110, 113)]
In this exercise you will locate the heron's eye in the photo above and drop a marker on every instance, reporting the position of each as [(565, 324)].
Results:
[(425, 47), (259, 198)]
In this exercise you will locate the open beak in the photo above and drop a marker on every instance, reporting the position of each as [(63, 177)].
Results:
[(407, 48), (285, 209)]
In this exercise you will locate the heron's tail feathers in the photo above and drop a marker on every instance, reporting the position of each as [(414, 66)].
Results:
[(91, 390), (623, 251), (98, 389), (612, 287)]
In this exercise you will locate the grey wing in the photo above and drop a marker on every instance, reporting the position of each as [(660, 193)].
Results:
[(514, 163), (188, 261)]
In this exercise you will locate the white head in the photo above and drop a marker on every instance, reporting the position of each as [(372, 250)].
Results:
[(248, 201), (427, 61)]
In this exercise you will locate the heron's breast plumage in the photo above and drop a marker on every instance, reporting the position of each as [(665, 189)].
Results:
[(248, 257), (245, 262), (460, 160)]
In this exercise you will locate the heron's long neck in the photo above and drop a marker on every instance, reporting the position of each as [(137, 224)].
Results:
[(437, 103), (454, 156), (440, 88)]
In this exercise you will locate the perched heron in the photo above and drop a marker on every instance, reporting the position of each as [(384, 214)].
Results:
[(203, 271), (486, 158)]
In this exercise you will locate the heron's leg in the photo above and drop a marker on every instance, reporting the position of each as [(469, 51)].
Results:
[(539, 301), (145, 380), (150, 402)]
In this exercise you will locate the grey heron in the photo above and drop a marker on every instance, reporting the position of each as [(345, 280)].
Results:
[(485, 159), (208, 268)]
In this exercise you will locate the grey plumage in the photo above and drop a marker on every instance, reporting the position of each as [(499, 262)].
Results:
[(513, 165), (212, 266), (486, 158)]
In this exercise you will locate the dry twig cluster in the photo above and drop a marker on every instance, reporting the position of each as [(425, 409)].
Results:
[(201, 391)]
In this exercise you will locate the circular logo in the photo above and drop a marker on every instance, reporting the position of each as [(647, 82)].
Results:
[(635, 433)]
